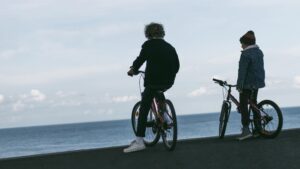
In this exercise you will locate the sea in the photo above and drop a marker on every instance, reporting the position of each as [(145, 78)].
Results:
[(27, 141)]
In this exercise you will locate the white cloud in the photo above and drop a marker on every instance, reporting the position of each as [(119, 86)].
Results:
[(269, 3), (26, 101), (198, 92), (297, 81), (225, 59), (292, 51), (94, 32), (1, 98), (66, 9), (122, 99), (6, 54), (37, 95), (33, 78), (18, 106), (273, 81), (63, 94), (69, 103)]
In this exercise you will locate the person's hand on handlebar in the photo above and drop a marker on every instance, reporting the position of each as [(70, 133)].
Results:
[(132, 71)]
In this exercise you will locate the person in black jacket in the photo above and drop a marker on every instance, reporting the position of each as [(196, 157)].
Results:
[(162, 65)]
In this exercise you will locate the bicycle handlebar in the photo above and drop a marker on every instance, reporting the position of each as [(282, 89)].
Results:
[(138, 72), (223, 83)]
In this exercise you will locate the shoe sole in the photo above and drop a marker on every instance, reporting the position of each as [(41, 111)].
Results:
[(244, 138), (134, 150)]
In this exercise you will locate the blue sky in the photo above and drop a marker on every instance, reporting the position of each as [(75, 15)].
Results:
[(64, 61)]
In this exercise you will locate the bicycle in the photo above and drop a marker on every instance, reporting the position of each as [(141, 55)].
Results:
[(156, 125), (265, 117)]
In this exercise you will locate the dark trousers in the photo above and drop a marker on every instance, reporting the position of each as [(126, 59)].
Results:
[(245, 96), (147, 98)]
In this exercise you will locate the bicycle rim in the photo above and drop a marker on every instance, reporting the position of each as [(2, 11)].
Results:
[(270, 123), (134, 116), (152, 134), (169, 132)]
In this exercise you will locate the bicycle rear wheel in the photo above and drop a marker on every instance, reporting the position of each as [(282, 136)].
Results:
[(169, 131), (152, 134), (224, 115), (270, 119)]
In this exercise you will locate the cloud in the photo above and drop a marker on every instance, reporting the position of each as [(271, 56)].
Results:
[(37, 95), (1, 98), (51, 76), (198, 92), (269, 3), (123, 99), (18, 106), (67, 103), (292, 51), (273, 81), (10, 53), (48, 10), (62, 94), (27, 100), (297, 81)]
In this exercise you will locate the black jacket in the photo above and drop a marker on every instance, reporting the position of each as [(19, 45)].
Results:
[(162, 63)]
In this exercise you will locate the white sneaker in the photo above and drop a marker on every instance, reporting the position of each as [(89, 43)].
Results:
[(134, 146)]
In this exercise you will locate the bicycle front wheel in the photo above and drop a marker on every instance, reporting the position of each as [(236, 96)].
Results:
[(224, 115), (270, 119), (151, 134), (169, 131)]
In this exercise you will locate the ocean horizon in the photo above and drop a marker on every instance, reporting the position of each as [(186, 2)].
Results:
[(33, 140)]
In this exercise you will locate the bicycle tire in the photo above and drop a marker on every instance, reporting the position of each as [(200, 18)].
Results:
[(152, 134), (273, 116), (134, 116), (170, 144), (224, 115)]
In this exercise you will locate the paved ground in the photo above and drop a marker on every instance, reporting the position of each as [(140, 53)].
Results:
[(208, 153)]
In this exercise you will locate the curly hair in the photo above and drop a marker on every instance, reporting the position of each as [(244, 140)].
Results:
[(154, 30)]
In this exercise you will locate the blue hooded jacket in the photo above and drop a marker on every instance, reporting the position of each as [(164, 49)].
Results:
[(251, 74)]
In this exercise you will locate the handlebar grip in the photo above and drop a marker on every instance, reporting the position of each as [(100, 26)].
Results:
[(219, 81)]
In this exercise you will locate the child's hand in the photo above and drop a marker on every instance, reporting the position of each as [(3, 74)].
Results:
[(130, 72)]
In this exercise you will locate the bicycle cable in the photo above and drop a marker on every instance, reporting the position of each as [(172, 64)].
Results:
[(141, 76)]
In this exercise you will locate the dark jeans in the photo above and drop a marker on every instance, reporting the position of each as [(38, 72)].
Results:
[(245, 96), (148, 95)]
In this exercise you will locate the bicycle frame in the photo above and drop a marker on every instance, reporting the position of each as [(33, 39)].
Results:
[(155, 107), (260, 119), (230, 97)]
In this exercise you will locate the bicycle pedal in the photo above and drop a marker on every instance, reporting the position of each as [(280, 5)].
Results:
[(150, 123), (167, 126)]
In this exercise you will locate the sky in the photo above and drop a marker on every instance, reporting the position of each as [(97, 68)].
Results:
[(65, 61)]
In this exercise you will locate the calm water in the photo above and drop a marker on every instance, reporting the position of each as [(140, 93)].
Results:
[(57, 138)]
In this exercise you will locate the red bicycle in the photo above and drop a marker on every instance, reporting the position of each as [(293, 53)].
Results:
[(156, 124)]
